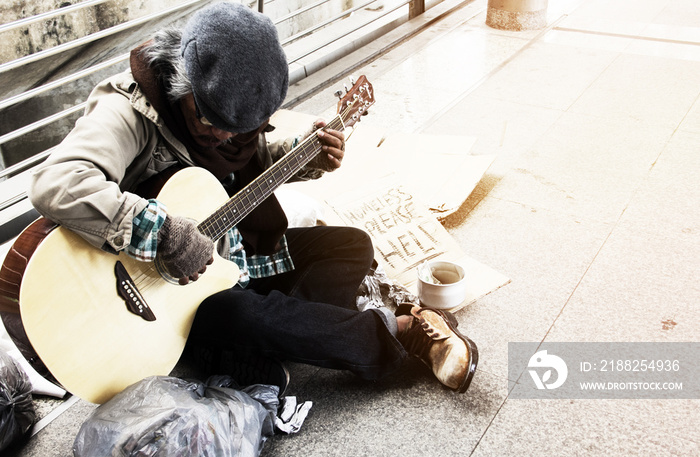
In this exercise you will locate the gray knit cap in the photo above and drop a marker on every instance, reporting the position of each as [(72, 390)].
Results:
[(237, 67)]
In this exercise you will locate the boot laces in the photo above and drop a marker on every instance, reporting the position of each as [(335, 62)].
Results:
[(420, 336)]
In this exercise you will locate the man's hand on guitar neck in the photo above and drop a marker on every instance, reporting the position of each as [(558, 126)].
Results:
[(183, 250), (332, 150)]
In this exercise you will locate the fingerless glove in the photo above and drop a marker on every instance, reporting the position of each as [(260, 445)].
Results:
[(182, 249)]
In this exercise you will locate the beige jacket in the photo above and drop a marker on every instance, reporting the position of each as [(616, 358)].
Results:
[(119, 142)]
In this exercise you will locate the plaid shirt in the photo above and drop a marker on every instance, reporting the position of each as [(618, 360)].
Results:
[(144, 241)]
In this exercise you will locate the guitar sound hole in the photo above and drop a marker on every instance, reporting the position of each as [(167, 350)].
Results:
[(163, 272)]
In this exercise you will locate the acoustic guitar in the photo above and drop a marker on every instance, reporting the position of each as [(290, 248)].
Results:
[(100, 322)]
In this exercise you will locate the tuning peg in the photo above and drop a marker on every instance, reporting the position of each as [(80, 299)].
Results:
[(339, 94), (352, 80), (346, 88)]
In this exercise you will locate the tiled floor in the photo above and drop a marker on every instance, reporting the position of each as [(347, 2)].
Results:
[(591, 208)]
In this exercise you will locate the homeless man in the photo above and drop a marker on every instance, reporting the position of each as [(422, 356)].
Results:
[(203, 97)]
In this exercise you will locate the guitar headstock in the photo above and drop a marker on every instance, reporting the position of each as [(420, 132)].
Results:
[(356, 101)]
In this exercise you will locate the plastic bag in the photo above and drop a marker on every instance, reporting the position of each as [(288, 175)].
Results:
[(167, 416), (17, 411), (378, 290)]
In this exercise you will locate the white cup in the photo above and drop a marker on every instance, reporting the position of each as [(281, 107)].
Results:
[(452, 290)]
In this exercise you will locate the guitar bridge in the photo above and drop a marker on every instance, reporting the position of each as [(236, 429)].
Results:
[(128, 291)]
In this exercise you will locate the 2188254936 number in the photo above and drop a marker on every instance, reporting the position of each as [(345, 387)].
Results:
[(639, 365)]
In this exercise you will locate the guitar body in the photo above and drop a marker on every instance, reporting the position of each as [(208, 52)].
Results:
[(79, 325)]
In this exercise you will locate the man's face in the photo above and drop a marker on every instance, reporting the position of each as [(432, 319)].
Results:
[(204, 135)]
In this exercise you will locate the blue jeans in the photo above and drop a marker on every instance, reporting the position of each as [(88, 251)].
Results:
[(307, 315)]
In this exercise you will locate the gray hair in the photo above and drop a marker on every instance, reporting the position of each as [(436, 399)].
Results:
[(163, 53)]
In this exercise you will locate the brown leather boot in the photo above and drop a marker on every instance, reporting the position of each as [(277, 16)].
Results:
[(433, 337)]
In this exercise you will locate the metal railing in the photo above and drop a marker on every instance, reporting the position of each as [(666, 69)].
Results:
[(40, 17), (415, 7)]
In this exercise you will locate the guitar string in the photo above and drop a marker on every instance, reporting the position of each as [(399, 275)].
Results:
[(236, 208), (146, 278), (141, 281), (251, 195)]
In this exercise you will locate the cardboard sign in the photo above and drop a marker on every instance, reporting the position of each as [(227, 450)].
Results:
[(404, 232)]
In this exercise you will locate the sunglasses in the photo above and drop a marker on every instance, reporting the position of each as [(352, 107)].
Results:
[(200, 117)]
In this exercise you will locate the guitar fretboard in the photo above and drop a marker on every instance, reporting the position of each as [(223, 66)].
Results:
[(241, 204)]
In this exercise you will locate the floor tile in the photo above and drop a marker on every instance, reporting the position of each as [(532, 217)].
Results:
[(640, 287), (666, 50), (628, 10), (683, 13), (458, 60), (588, 144), (660, 417), (655, 90), (570, 428), (691, 123), (56, 440), (547, 75), (501, 127), (585, 166), (666, 203), (586, 40), (673, 32), (601, 24)]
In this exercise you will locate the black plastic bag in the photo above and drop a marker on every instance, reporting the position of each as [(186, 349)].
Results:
[(17, 411), (167, 416)]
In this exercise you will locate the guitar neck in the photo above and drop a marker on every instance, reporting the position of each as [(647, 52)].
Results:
[(248, 198)]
